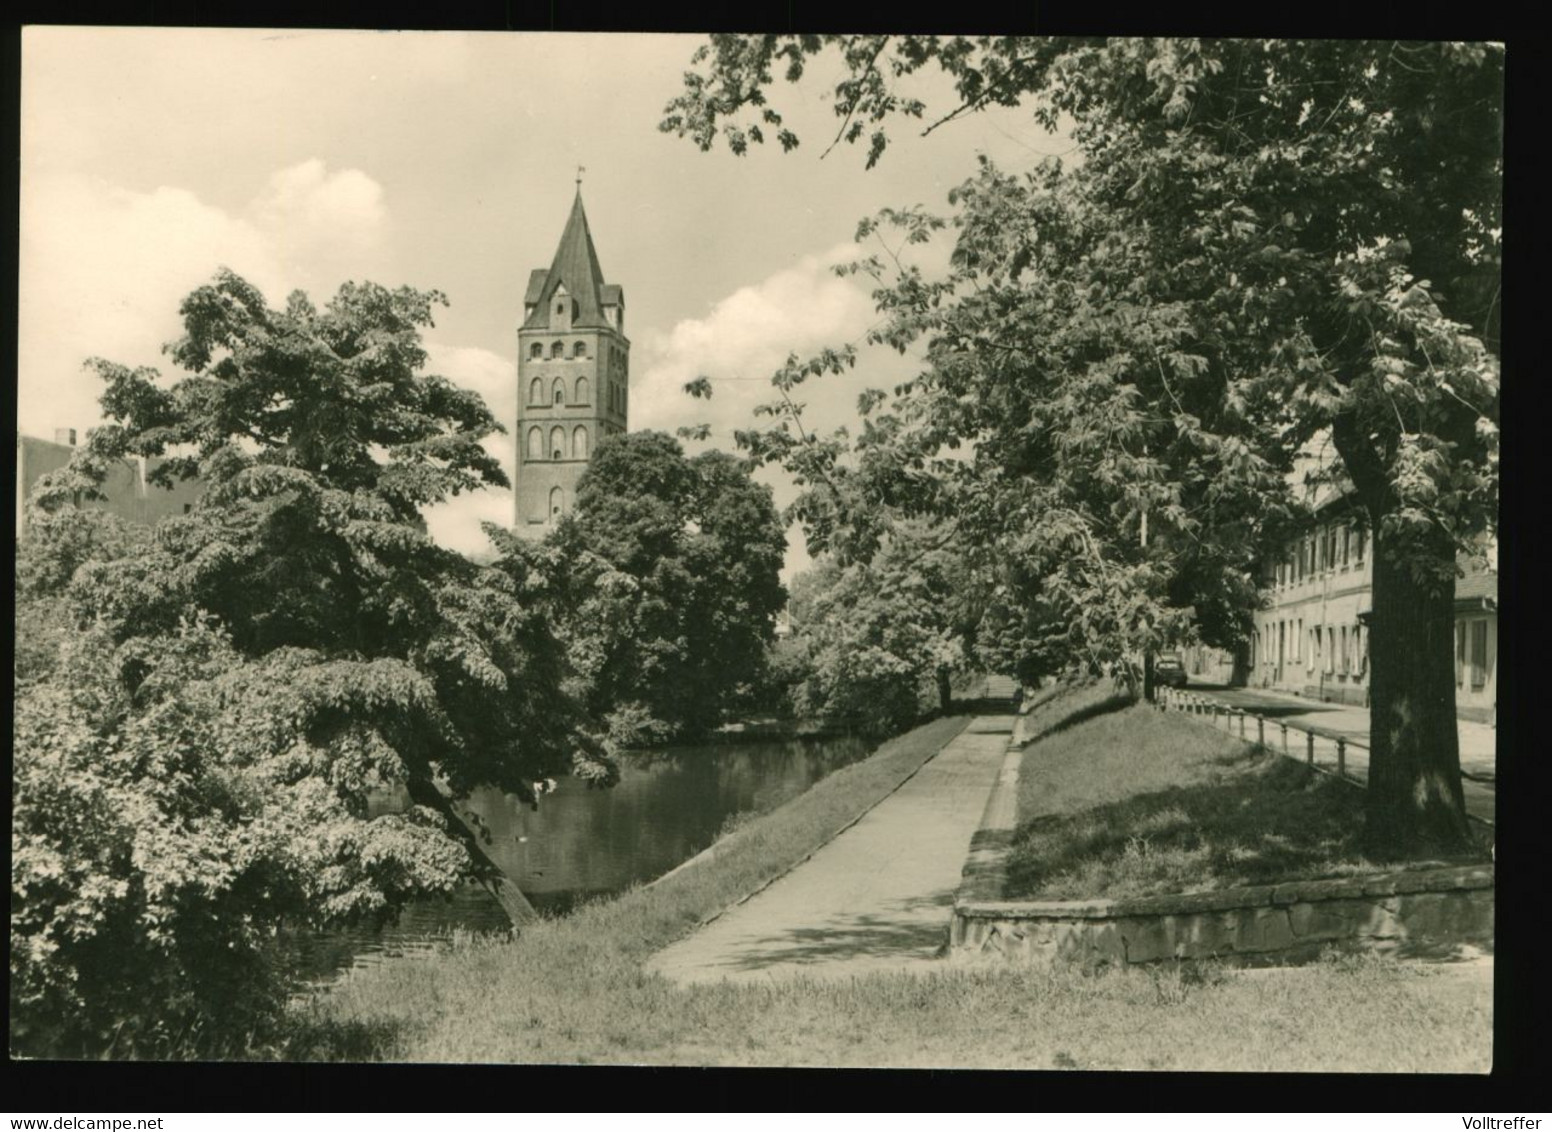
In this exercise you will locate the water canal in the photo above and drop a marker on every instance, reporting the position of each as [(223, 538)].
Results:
[(581, 844)]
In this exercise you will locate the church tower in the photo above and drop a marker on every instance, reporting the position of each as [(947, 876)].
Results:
[(572, 375)]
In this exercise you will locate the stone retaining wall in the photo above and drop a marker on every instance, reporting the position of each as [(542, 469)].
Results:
[(1411, 912), (1408, 913)]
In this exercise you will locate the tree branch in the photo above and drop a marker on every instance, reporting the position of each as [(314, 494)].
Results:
[(1363, 464), (851, 113)]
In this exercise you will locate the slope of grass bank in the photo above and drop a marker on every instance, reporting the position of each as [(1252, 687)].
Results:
[(1069, 703), (573, 991), (1139, 803)]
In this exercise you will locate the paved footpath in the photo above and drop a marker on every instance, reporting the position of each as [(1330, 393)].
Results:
[(878, 897)]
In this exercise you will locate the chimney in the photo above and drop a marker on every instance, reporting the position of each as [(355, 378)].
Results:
[(64, 436)]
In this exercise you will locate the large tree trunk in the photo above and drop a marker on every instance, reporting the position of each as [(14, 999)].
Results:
[(945, 691), (1239, 666), (490, 875), (1414, 802)]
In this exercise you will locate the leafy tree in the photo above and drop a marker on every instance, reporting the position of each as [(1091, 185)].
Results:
[(882, 636), (193, 763), (1265, 243), (668, 586)]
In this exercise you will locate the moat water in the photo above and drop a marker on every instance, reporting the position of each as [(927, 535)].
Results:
[(583, 844)]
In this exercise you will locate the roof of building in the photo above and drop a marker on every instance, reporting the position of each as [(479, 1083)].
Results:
[(576, 266), (536, 279), (1477, 584)]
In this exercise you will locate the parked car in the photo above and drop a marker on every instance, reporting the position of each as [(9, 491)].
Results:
[(1170, 670)]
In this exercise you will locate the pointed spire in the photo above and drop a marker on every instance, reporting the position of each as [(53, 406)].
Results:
[(575, 265)]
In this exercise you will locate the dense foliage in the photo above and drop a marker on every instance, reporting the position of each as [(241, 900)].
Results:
[(668, 585), (193, 758), (881, 638), (1264, 244)]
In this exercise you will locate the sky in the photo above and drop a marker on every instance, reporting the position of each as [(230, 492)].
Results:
[(151, 157)]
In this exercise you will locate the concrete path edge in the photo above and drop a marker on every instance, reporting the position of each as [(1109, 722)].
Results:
[(711, 851)]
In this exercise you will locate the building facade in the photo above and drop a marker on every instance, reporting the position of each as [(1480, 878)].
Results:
[(1311, 637), (129, 491), (573, 369)]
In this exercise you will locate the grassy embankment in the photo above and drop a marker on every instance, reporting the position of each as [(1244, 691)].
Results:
[(1139, 803), (573, 990)]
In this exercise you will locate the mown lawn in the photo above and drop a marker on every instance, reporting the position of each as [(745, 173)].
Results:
[(1139, 803), (572, 990)]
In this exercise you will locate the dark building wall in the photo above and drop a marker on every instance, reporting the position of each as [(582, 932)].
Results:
[(129, 493)]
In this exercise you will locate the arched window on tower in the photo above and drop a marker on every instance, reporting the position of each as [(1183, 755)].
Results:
[(536, 350), (583, 390), (558, 350), (536, 444), (536, 392), (560, 391), (556, 498), (579, 443), (557, 443), (579, 350)]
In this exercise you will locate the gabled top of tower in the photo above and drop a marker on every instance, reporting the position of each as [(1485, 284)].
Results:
[(575, 267)]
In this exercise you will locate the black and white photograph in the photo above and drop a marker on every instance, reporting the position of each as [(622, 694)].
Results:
[(867, 551)]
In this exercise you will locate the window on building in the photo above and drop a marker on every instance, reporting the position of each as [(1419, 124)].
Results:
[(1478, 654), (1346, 539), (536, 350), (1330, 648), (559, 349), (556, 500), (535, 444), (536, 392), (1358, 541), (1343, 653), (579, 350), (558, 443), (579, 443), (583, 391), (560, 391)]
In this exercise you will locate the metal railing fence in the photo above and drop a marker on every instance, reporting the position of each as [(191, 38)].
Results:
[(1329, 752)]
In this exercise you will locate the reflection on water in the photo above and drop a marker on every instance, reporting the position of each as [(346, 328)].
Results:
[(580, 843)]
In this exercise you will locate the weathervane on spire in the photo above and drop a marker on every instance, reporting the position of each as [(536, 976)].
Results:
[(580, 170)]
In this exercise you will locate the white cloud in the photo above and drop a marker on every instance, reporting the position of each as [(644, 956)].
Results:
[(103, 268), (743, 340), (321, 214), (456, 523)]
